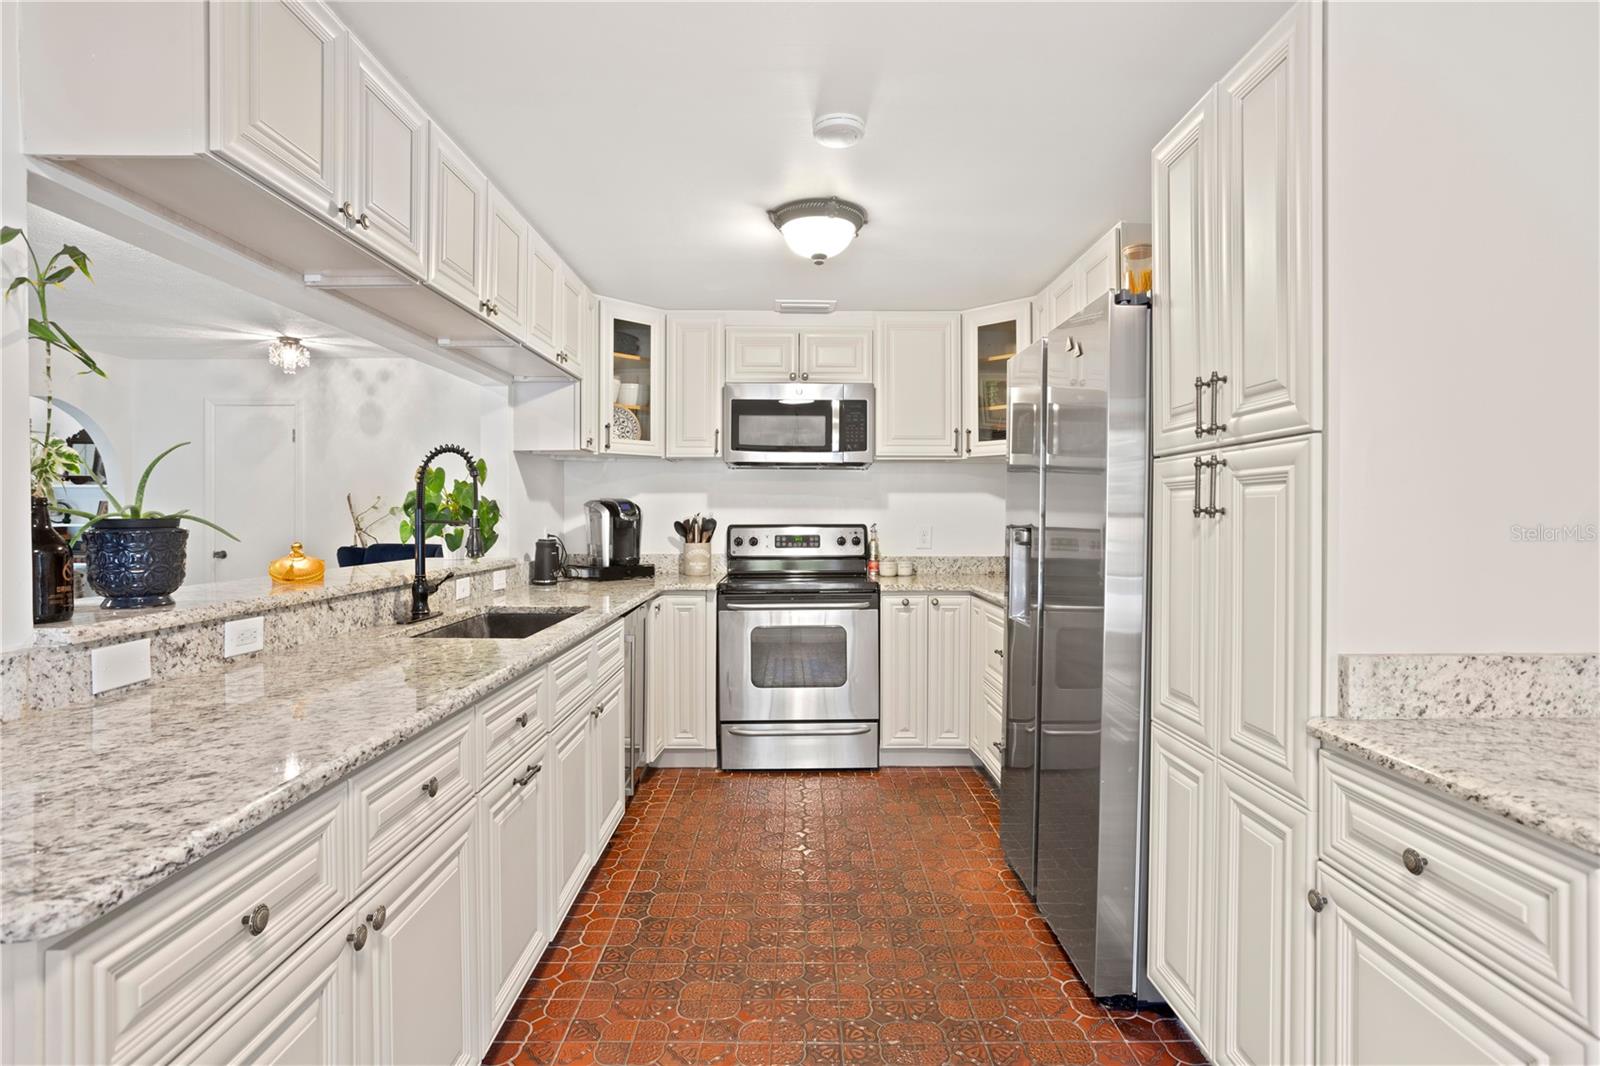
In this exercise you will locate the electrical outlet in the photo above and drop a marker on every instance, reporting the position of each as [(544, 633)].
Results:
[(500, 580), (243, 635), (463, 587), (924, 538), (119, 664)]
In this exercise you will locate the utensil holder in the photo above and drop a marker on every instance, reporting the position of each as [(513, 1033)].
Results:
[(696, 560)]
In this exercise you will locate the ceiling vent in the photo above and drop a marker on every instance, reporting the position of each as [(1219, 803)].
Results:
[(806, 307)]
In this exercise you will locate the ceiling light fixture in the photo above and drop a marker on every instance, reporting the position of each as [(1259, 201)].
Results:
[(288, 354), (818, 228), (839, 129)]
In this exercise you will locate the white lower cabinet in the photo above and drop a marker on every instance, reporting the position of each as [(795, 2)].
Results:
[(681, 664), (949, 671), (1181, 853), (609, 747), (571, 834), (514, 817), (903, 662)]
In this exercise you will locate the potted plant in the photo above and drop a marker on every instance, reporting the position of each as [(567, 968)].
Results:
[(447, 513), (51, 460), (137, 557)]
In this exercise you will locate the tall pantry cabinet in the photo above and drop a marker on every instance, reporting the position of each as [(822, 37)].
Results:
[(1236, 582)]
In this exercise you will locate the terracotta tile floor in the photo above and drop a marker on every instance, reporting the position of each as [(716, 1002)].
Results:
[(774, 919)]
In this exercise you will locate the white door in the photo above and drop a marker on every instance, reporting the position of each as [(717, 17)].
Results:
[(506, 297), (1179, 954), (388, 165), (459, 258), (1269, 607), (544, 267), (919, 387), (756, 354), (1181, 178), (1268, 346), (685, 693), (609, 750), (571, 810), (1183, 601), (301, 1014), (949, 671), (990, 336), (632, 342), (694, 387), (417, 975), (280, 104), (1263, 999), (253, 486), (514, 812), (1099, 267), (1389, 994), (836, 355), (903, 660)]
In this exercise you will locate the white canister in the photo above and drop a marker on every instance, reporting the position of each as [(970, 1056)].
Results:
[(888, 568), (628, 395), (696, 560)]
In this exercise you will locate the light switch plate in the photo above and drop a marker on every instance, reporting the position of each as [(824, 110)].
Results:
[(499, 580), (463, 587), (119, 664), (925, 538), (243, 635)]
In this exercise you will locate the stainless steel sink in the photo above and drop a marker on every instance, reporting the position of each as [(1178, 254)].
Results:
[(503, 625)]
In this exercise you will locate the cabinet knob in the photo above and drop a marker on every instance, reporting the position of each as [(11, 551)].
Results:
[(597, 709), (805, 377), (430, 787), (1414, 861), (362, 221), (357, 939), (256, 920), (999, 745), (905, 603), (348, 210), (1316, 900), (1000, 652), (934, 602), (522, 720), (378, 917)]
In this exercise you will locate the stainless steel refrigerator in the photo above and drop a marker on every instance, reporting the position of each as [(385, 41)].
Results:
[(1077, 549)]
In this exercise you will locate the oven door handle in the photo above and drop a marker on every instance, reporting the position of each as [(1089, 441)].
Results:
[(820, 731), (797, 605)]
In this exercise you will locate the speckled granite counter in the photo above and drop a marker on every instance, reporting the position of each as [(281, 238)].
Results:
[(987, 586), (102, 801), (1541, 773)]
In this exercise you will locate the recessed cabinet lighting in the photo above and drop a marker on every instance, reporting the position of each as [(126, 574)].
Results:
[(819, 228)]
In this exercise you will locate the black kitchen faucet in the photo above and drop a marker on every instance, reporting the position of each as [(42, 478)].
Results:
[(421, 587)]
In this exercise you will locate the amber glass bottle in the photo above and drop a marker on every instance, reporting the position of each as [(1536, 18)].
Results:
[(52, 569)]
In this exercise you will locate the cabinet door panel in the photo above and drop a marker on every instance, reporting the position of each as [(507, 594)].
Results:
[(950, 664), (763, 354), (280, 97), (1182, 610), (514, 812), (903, 653), (1265, 182), (460, 213), (682, 699), (388, 165), (1065, 297), (1099, 267), (569, 317), (609, 752), (633, 340), (1268, 608), (571, 811), (694, 387), (1180, 952), (990, 336), (543, 266), (1263, 933), (919, 387), (1181, 180), (508, 265), (836, 355)]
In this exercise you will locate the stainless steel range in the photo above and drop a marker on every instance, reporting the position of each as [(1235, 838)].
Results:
[(797, 650)]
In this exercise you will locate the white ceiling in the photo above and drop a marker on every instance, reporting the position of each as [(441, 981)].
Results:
[(646, 141), (142, 306)]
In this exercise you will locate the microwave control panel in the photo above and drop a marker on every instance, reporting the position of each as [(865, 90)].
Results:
[(853, 426)]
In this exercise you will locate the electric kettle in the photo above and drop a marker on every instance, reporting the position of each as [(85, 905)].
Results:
[(549, 555)]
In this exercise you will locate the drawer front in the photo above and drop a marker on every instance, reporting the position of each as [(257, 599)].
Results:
[(993, 711), (992, 627), (513, 719), (402, 798), (1524, 909), (608, 652), (572, 680), (143, 985)]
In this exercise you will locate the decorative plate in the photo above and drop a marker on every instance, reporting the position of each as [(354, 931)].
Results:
[(625, 424)]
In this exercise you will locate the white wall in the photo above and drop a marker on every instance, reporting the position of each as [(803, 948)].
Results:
[(962, 503), (16, 617), (1462, 347)]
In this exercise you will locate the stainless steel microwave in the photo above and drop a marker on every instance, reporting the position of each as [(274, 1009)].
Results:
[(782, 423)]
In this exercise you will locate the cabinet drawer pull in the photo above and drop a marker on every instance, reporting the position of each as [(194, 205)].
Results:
[(531, 773), (957, 433), (1199, 403), (1216, 379), (716, 440), (969, 442), (522, 720), (357, 939), (430, 787), (1000, 652), (999, 745), (934, 602), (1316, 901), (905, 603), (1198, 464), (378, 917), (1414, 861), (256, 920)]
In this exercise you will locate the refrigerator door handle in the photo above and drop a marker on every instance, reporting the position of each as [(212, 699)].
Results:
[(1019, 572)]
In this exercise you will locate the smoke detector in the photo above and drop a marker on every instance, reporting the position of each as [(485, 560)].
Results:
[(838, 129)]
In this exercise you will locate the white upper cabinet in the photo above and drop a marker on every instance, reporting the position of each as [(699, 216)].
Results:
[(694, 387), (460, 211), (1097, 271), (761, 354), (505, 300), (545, 271), (835, 355), (1099, 268), (1268, 341), (990, 336), (1064, 298), (278, 86), (589, 358), (1182, 601), (631, 381), (1182, 178), (388, 165), (827, 354), (919, 386), (569, 327)]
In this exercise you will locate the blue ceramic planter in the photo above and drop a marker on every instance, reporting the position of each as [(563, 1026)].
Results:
[(136, 562)]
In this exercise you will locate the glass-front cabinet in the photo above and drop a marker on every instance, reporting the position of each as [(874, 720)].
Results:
[(630, 386), (990, 336)]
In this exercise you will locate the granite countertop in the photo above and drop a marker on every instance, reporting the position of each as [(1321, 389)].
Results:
[(987, 586), (100, 802), (1540, 773)]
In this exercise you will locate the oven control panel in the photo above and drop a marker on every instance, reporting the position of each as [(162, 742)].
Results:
[(797, 542)]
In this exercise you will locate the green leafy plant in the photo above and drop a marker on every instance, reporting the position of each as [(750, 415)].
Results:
[(51, 460), (446, 514), (137, 508)]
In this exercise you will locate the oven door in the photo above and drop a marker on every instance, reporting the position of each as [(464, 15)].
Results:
[(783, 658)]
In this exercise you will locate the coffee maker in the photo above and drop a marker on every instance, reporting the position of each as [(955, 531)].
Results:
[(615, 528)]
